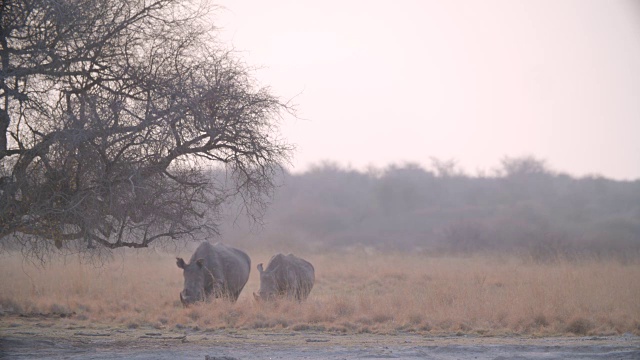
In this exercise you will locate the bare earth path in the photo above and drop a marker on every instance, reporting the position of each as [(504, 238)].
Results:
[(34, 339)]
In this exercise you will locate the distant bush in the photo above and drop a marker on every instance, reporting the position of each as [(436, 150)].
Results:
[(523, 208)]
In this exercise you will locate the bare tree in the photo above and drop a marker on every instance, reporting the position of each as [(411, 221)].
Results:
[(523, 167), (112, 112), (445, 168)]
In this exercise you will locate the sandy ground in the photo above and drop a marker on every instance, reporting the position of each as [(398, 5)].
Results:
[(34, 338)]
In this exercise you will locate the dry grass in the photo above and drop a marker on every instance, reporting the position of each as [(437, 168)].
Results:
[(355, 292)]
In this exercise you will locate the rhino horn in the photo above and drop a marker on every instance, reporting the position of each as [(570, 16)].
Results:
[(260, 268)]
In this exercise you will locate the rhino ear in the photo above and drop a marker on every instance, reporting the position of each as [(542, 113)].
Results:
[(180, 263), (260, 270), (200, 263)]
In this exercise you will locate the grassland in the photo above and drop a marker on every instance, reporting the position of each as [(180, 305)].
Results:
[(355, 292)]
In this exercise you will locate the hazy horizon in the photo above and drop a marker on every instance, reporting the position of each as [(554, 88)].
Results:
[(473, 82), (494, 169)]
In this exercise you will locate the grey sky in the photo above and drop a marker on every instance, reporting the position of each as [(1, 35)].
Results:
[(379, 82)]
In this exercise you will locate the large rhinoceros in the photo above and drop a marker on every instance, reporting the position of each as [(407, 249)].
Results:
[(286, 276), (214, 270)]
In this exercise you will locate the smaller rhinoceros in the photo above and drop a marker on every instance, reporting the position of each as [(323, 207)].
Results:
[(215, 270), (286, 276)]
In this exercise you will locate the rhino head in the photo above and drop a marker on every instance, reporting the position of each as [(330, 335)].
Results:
[(268, 285), (193, 281)]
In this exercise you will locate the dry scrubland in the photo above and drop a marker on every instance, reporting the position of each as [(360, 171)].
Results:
[(355, 292)]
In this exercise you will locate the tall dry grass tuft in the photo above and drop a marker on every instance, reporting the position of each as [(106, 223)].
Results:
[(354, 292)]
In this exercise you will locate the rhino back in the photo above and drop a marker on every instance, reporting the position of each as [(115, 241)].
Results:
[(236, 269), (293, 274)]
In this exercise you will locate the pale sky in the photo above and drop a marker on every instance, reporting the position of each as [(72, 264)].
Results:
[(382, 82)]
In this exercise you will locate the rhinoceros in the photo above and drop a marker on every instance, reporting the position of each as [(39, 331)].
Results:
[(215, 270), (286, 276)]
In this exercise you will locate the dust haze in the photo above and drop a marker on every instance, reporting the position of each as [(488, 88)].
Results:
[(521, 207)]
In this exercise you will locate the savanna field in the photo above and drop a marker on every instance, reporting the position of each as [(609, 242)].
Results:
[(355, 292)]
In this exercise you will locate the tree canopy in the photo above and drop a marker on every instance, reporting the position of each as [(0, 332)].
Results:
[(113, 111)]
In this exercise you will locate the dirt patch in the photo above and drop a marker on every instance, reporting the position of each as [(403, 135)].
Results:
[(41, 337)]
